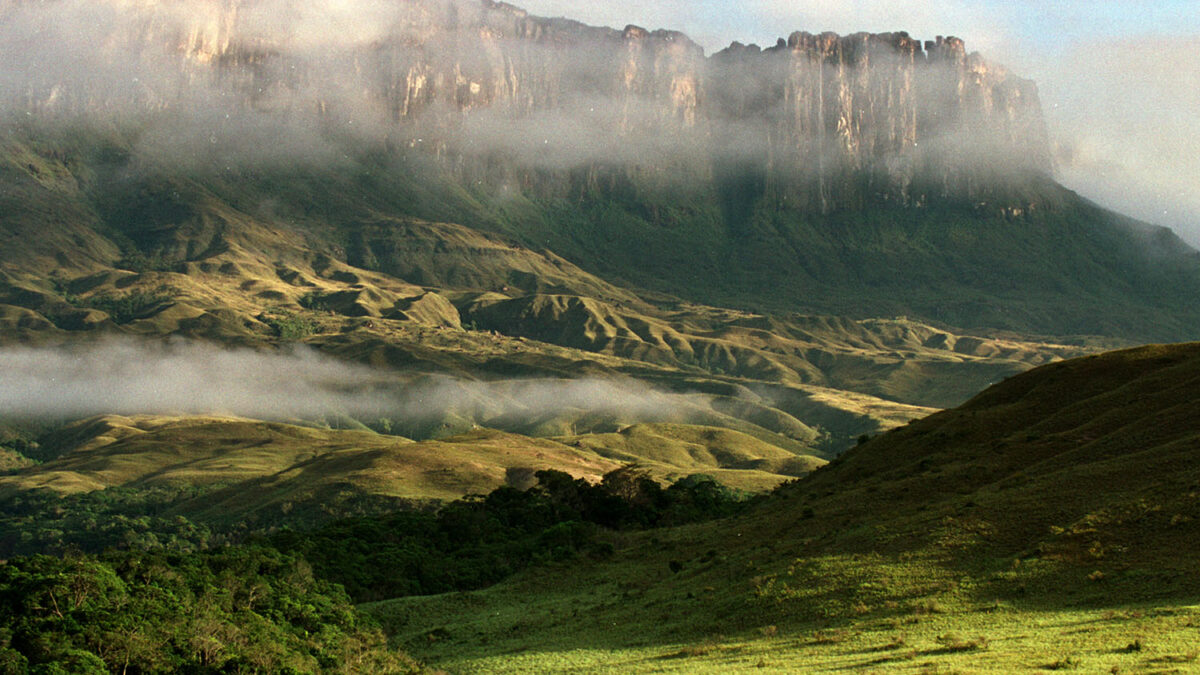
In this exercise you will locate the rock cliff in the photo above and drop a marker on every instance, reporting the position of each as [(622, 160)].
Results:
[(553, 106), (838, 120)]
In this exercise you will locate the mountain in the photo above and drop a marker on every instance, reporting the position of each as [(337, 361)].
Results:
[(264, 185), (1044, 524), (287, 287), (863, 175)]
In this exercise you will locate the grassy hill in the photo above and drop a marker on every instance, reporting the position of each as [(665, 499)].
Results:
[(1066, 268), (256, 471), (96, 248), (1045, 525)]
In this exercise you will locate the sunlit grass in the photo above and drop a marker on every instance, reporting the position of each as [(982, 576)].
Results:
[(913, 617)]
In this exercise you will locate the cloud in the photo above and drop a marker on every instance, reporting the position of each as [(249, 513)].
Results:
[(1124, 114), (313, 77), (1122, 110), (125, 376)]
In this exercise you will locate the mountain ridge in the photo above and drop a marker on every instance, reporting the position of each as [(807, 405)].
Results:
[(868, 175), (470, 83)]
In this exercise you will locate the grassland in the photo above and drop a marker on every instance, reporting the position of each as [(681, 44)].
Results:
[(530, 626), (250, 465), (1046, 525)]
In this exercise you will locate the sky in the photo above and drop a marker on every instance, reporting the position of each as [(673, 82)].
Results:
[(1119, 80)]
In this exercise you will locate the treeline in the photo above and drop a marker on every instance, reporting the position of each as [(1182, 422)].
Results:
[(177, 519), (43, 521), (168, 595), (241, 610), (475, 542)]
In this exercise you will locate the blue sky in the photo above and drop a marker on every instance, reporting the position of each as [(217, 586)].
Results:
[(1120, 81), (1047, 23)]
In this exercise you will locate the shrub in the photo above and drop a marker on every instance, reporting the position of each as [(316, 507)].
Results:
[(149, 612), (141, 263), (316, 300), (290, 327), (125, 308), (1065, 663), (951, 642)]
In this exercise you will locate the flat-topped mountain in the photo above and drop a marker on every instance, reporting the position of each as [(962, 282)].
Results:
[(279, 279), (830, 121), (863, 175)]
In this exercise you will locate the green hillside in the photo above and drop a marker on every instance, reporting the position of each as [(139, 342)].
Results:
[(335, 263), (1045, 525), (471, 341), (262, 473), (1065, 267)]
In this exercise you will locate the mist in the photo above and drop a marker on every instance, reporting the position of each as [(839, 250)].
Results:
[(214, 85), (126, 376), (1128, 133), (1119, 81)]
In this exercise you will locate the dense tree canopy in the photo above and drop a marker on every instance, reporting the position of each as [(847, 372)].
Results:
[(245, 609)]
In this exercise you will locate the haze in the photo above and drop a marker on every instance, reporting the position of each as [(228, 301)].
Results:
[(126, 376), (1118, 81)]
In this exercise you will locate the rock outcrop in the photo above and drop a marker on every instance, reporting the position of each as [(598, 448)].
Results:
[(553, 106), (835, 121)]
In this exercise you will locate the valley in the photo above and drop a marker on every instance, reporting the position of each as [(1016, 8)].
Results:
[(933, 547), (479, 341)]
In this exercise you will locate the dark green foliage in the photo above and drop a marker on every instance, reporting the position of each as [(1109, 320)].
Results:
[(467, 544), (478, 541), (22, 437), (136, 261), (125, 308), (315, 301), (238, 610), (20, 446), (153, 518), (46, 522), (290, 326)]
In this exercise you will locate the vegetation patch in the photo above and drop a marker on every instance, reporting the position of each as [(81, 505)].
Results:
[(239, 610), (290, 327), (478, 541), (125, 308)]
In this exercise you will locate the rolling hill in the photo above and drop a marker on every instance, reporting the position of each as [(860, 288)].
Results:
[(244, 467), (259, 289), (1045, 524)]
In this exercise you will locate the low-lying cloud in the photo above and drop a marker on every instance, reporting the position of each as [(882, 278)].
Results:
[(307, 80), (1119, 83), (124, 376), (218, 85)]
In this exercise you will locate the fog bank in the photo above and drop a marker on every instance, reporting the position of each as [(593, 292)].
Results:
[(124, 376)]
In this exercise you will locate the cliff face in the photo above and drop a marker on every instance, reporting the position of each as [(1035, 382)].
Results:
[(842, 120), (496, 95)]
